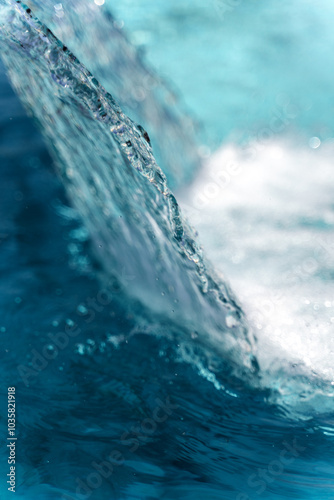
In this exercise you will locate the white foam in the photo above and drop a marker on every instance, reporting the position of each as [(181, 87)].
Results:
[(267, 222)]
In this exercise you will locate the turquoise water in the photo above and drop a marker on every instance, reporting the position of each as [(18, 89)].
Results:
[(139, 374), (236, 62)]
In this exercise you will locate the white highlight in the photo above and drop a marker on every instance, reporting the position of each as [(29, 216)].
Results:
[(267, 222), (314, 142)]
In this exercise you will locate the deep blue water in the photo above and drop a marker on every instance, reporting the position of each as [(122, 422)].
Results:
[(189, 413)]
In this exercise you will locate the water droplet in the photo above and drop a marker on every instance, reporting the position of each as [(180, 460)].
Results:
[(80, 349), (82, 309)]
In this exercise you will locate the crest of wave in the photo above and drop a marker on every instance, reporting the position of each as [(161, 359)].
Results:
[(106, 164), (98, 40)]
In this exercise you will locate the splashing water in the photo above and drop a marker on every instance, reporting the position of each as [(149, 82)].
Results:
[(274, 236), (102, 157), (158, 368), (141, 94)]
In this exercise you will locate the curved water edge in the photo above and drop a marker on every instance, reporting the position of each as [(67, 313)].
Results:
[(119, 67), (110, 174)]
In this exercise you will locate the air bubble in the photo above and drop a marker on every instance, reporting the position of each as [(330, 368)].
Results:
[(314, 142)]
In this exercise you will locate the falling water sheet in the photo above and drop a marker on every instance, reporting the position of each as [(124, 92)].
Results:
[(109, 171)]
